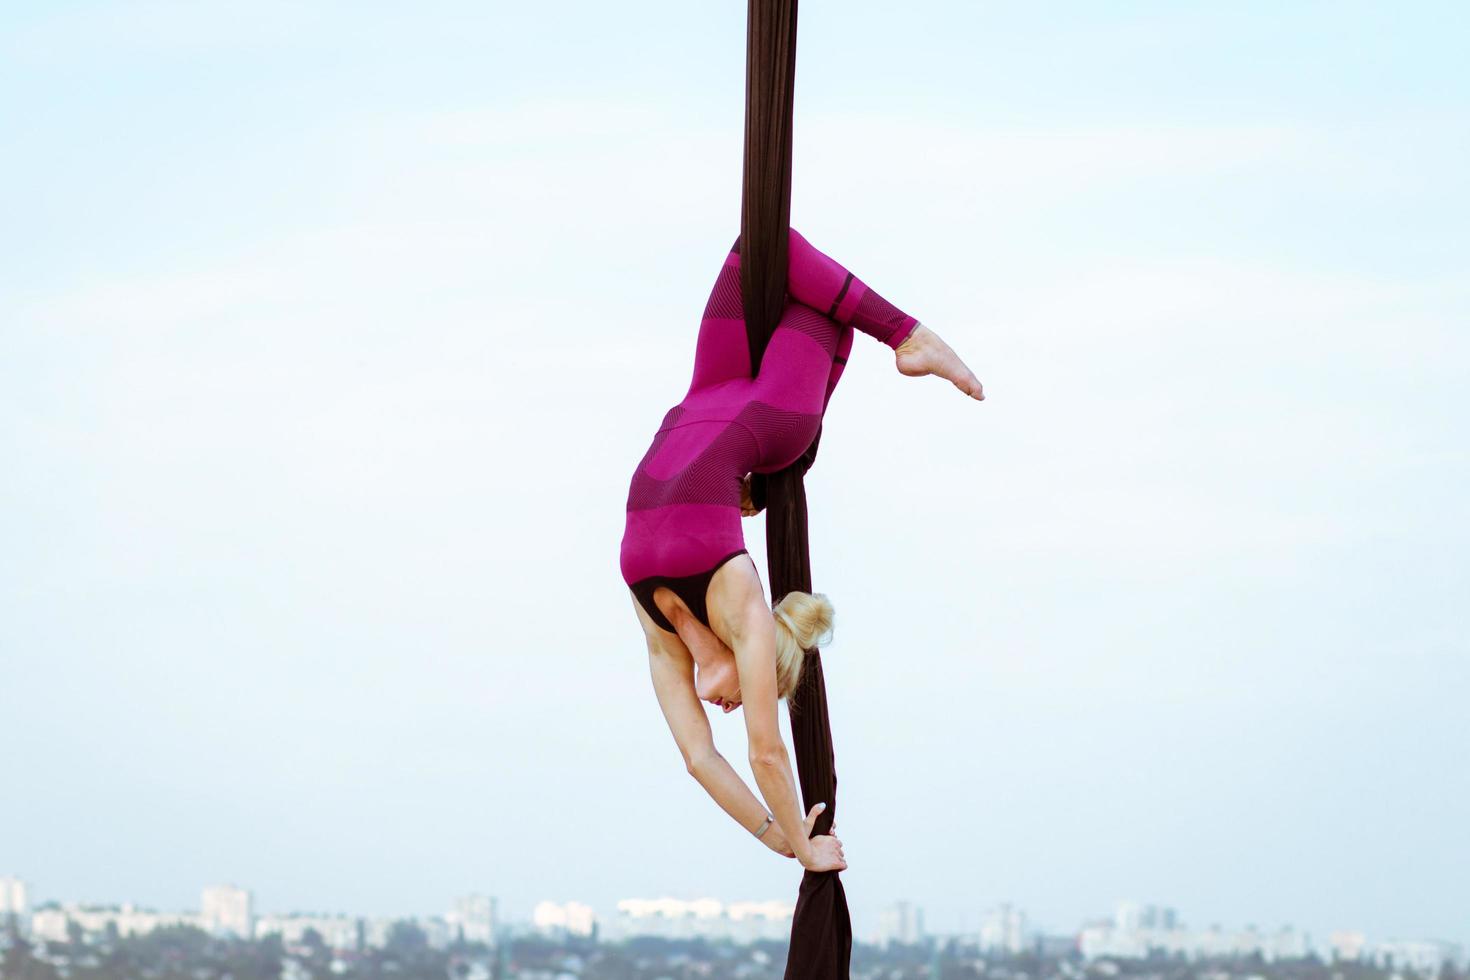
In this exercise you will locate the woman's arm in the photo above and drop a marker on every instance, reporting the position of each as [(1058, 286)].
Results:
[(726, 788), (673, 683), (753, 633)]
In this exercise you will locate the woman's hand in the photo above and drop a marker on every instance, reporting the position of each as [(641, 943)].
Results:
[(826, 858), (826, 855), (776, 841), (775, 838), (826, 850), (747, 502)]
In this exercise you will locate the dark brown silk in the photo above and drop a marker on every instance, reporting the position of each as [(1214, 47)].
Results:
[(821, 932)]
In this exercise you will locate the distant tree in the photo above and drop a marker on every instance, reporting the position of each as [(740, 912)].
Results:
[(318, 956), (188, 943), (405, 938), (75, 934), (610, 963), (251, 960), (1026, 962), (17, 963), (959, 971), (271, 945)]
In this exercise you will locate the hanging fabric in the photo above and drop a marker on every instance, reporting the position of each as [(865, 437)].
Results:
[(821, 931)]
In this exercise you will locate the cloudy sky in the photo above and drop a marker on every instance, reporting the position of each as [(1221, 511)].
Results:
[(330, 335)]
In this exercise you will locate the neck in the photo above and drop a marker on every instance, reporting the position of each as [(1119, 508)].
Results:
[(684, 624), (702, 645)]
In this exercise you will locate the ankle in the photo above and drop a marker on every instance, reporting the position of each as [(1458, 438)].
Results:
[(912, 340)]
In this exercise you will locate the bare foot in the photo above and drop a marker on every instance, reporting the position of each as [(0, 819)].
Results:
[(924, 352)]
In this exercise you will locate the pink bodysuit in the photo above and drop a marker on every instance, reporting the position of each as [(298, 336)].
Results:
[(683, 517)]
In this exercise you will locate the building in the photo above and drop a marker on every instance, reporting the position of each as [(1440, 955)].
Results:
[(901, 923), (14, 904), (1057, 946), (1422, 956), (336, 931), (54, 923), (225, 910), (571, 919), (375, 931), (1129, 935), (750, 922), (438, 931), (472, 919), (1349, 947), (1003, 930), (1161, 918), (1127, 917), (708, 918)]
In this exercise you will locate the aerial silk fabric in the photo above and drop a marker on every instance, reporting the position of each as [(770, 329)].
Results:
[(821, 930)]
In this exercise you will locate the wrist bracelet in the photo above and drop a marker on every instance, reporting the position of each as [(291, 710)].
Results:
[(764, 827)]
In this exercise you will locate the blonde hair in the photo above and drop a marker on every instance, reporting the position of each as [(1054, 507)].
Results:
[(803, 622)]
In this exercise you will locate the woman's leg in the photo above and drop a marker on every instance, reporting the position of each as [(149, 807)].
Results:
[(819, 281), (824, 286), (796, 372), (839, 361), (722, 352), (815, 278)]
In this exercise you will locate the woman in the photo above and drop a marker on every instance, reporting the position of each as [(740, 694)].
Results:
[(711, 634)]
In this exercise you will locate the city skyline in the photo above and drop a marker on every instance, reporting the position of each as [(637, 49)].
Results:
[(331, 334), (1130, 930)]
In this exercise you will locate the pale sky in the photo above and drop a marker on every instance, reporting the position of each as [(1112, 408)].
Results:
[(330, 335)]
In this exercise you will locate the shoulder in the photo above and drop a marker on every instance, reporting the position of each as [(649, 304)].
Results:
[(736, 598)]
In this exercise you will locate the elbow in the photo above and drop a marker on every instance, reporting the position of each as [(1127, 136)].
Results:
[(769, 757), (698, 762)]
